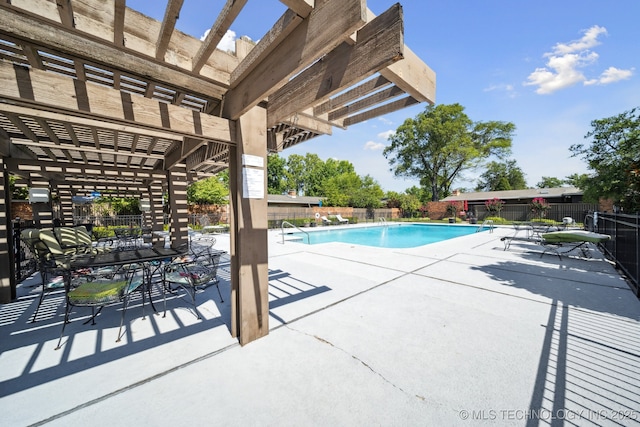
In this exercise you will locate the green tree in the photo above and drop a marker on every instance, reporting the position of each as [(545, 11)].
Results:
[(17, 193), (338, 189), (367, 195), (394, 199), (501, 176), (276, 174), (295, 172), (422, 193), (577, 180), (550, 182), (441, 142), (410, 205), (118, 205), (209, 191), (348, 189), (315, 173), (614, 157)]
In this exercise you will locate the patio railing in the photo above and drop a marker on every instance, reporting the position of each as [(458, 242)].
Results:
[(624, 246)]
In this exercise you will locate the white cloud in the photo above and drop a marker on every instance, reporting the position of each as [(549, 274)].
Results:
[(564, 64), (385, 135), (374, 146), (611, 75), (228, 42), (508, 89), (589, 40), (385, 120)]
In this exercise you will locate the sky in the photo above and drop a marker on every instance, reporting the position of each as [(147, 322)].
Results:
[(549, 67)]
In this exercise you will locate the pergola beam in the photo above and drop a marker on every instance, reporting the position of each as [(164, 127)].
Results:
[(325, 28), (300, 7), (379, 43), (62, 39), (171, 15), (107, 104), (229, 13)]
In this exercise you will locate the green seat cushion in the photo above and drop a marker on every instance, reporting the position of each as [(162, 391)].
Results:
[(575, 236), (98, 292)]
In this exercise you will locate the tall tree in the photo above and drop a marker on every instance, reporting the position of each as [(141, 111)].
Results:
[(349, 189), (422, 193), (550, 182), (209, 191), (295, 172), (501, 176), (614, 157), (276, 174), (576, 180), (315, 174), (441, 142)]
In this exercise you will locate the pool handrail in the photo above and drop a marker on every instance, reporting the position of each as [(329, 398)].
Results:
[(382, 220), (486, 223), (294, 226)]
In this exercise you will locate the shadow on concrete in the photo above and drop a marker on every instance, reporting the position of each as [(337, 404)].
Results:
[(589, 368), (35, 342)]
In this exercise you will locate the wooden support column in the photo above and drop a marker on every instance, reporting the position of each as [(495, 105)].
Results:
[(7, 265), (156, 214), (66, 205), (179, 223), (249, 248)]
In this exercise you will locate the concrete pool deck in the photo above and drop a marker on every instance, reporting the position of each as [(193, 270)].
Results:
[(459, 332)]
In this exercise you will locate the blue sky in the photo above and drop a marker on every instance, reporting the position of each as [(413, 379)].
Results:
[(549, 67)]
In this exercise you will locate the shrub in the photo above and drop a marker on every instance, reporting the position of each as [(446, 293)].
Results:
[(494, 205), (496, 220), (539, 207)]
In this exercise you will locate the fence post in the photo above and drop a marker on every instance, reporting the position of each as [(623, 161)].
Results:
[(638, 254)]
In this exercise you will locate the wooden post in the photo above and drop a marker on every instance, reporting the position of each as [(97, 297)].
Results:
[(177, 182), (7, 266), (249, 247)]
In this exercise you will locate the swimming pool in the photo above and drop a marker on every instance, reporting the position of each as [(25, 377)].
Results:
[(389, 236)]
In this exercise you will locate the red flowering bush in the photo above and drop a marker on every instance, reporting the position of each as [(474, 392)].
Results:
[(539, 206), (494, 205)]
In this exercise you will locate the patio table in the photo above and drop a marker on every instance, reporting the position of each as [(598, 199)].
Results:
[(148, 258)]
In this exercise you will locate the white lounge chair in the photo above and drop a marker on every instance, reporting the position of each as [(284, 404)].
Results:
[(326, 221), (342, 220)]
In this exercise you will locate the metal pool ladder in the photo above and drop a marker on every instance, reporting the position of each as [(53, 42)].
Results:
[(382, 220), (486, 223), (296, 227)]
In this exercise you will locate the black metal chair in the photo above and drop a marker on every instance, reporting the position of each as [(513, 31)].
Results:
[(102, 287), (195, 271), (50, 267)]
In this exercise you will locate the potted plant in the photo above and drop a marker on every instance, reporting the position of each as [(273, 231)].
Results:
[(312, 222), (452, 209)]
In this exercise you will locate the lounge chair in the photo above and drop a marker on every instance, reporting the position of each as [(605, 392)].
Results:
[(555, 240), (342, 220), (326, 221)]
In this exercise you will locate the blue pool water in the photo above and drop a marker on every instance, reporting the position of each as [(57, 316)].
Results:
[(389, 236)]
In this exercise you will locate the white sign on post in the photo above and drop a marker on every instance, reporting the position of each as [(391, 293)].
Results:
[(249, 160), (252, 183)]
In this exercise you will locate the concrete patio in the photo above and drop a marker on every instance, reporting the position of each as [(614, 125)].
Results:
[(454, 333)]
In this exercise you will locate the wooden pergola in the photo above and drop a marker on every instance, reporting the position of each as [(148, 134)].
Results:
[(95, 96)]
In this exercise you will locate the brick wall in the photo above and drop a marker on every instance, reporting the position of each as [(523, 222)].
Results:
[(21, 209)]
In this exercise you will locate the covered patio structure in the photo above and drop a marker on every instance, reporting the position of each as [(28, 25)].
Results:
[(96, 96)]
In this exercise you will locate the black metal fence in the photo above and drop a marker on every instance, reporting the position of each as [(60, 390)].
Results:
[(624, 246), (557, 211)]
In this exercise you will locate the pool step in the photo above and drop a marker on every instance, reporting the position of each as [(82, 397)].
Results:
[(292, 238)]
